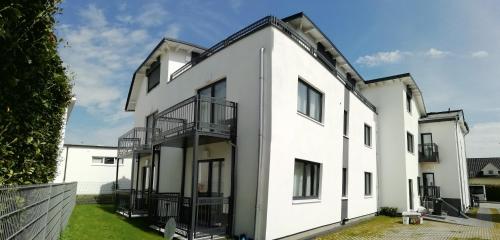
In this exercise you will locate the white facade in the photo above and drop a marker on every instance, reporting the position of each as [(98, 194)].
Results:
[(262, 72), (80, 164)]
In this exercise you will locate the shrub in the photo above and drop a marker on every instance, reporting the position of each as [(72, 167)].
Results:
[(388, 211)]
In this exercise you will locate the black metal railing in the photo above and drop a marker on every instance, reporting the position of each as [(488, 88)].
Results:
[(136, 139), (289, 31), (428, 152), (197, 113), (430, 191), (133, 201), (212, 214)]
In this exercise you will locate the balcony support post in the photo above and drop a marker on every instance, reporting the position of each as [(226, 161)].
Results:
[(194, 187), (116, 182)]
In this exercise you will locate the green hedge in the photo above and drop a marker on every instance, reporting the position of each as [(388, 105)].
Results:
[(34, 91), (89, 199)]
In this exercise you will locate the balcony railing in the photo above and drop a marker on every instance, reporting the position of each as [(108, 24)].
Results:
[(209, 115), (137, 139), (428, 152), (135, 203), (430, 191), (212, 214)]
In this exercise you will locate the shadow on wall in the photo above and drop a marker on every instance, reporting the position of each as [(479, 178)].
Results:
[(106, 193)]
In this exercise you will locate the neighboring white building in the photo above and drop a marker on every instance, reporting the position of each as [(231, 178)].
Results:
[(287, 138), (94, 168)]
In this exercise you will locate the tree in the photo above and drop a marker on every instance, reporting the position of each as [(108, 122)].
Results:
[(34, 91)]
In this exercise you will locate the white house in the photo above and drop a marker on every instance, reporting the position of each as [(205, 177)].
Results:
[(94, 168), (270, 133)]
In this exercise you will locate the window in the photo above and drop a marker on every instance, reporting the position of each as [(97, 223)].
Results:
[(418, 186), (408, 99), (149, 127), (368, 135), (305, 179), (194, 56), (409, 142), (346, 122), (105, 161), (368, 184), (153, 74), (344, 182), (309, 101)]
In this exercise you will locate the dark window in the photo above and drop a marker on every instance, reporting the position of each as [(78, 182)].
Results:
[(368, 183), (410, 192), (194, 57), (305, 179), (368, 135), (418, 185), (344, 182), (408, 99), (346, 122), (409, 142), (213, 111), (309, 101), (149, 127), (153, 74), (109, 160)]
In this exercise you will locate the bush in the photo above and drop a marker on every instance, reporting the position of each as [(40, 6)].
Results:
[(91, 199), (34, 92), (388, 211)]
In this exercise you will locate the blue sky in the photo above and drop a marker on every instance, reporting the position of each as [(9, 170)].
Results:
[(450, 47)]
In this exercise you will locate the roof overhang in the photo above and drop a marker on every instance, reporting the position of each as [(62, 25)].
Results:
[(303, 23), (166, 44), (407, 80), (450, 115)]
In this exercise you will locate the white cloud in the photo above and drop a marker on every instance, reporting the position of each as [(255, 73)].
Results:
[(381, 58), (479, 54), (484, 140), (436, 53), (101, 55), (173, 30), (152, 14), (94, 16), (235, 4)]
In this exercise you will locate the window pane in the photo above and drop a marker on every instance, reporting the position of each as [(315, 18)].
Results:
[(315, 105), (344, 182), (153, 77), (109, 160), (346, 119), (97, 160), (298, 179), (302, 98), (368, 133)]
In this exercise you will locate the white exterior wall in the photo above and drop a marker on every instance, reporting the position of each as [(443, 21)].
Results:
[(361, 159), (94, 178), (450, 173), (396, 165), (296, 136), (241, 69)]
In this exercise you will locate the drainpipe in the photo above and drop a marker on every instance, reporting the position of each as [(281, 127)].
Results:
[(260, 175), (459, 167)]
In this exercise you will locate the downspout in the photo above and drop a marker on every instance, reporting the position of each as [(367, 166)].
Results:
[(65, 163), (260, 175), (459, 167)]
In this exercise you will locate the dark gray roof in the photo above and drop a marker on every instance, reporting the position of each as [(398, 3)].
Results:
[(474, 165)]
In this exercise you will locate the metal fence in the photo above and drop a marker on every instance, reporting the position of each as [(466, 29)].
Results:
[(36, 211)]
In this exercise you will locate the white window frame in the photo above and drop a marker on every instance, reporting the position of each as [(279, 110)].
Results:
[(102, 163)]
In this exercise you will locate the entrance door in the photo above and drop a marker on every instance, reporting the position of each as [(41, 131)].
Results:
[(428, 179), (410, 188), (210, 178)]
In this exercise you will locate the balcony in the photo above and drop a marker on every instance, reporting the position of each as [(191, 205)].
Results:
[(137, 139), (214, 118), (428, 152), (430, 191)]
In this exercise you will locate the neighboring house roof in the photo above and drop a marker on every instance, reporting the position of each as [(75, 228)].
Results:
[(89, 146), (407, 79), (476, 165), (450, 115), (151, 57)]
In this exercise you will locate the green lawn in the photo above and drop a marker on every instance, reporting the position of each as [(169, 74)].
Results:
[(370, 228), (94, 221)]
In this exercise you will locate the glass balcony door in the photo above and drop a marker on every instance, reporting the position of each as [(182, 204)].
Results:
[(212, 100), (427, 147)]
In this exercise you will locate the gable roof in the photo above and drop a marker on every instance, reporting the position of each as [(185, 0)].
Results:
[(475, 165), (407, 79), (164, 42), (450, 115)]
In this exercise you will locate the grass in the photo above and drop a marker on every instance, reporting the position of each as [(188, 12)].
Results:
[(370, 228), (473, 212), (94, 221)]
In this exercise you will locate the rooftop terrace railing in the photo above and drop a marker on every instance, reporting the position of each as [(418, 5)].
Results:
[(286, 29)]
